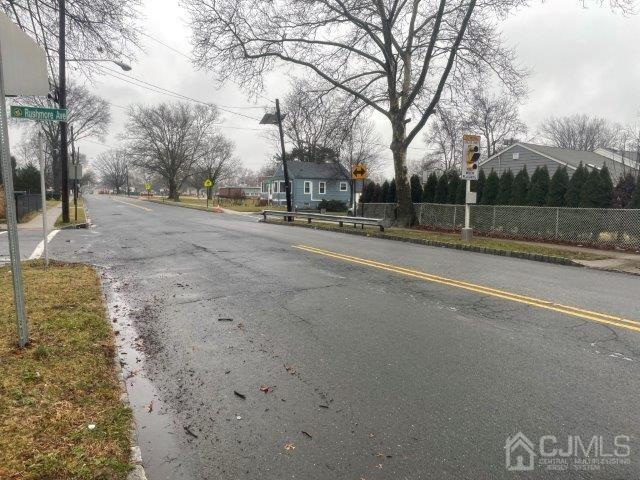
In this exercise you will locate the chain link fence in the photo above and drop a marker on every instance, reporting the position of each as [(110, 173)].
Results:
[(601, 227), (26, 203)]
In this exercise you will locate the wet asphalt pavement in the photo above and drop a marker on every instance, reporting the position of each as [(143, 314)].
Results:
[(371, 374)]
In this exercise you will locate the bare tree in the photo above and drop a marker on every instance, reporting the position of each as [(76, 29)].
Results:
[(103, 29), (444, 141), (112, 169), (497, 118), (87, 113), (579, 132), (217, 163), (394, 56), (170, 139), (329, 128)]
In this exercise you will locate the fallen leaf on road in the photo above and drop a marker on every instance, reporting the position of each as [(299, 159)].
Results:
[(291, 369), (323, 406), (227, 372), (225, 319), (306, 433), (240, 395), (266, 388), (289, 446), (149, 407)]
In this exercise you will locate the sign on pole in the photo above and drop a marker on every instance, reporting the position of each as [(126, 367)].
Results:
[(23, 71), (39, 113), (147, 186), (24, 62), (470, 156), (208, 183), (359, 171)]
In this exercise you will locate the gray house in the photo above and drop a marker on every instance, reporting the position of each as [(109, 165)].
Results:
[(310, 184), (519, 154)]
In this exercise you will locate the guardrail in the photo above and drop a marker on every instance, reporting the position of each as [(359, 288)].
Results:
[(339, 219)]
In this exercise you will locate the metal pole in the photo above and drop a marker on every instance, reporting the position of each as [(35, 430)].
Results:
[(43, 195), (127, 167), (74, 162), (62, 101), (466, 232), (12, 223), (287, 186)]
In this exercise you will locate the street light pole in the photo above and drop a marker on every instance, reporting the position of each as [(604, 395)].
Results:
[(62, 101), (287, 185)]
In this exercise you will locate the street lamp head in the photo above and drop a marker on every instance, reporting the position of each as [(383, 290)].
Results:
[(124, 66)]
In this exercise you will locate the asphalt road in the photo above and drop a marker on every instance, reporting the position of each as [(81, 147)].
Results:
[(396, 370)]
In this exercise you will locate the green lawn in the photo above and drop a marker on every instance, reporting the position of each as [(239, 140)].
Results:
[(82, 218), (62, 382), (454, 239)]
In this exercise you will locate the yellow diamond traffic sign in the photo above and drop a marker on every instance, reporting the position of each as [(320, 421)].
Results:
[(359, 171), (208, 183)]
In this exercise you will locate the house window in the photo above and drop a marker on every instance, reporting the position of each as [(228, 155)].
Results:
[(516, 155), (274, 188), (282, 189), (322, 188), (265, 187), (343, 186), (307, 188)]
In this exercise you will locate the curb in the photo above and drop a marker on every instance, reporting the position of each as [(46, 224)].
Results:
[(536, 257), (137, 472), (182, 205)]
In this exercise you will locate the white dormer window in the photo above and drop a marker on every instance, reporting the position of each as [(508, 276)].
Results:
[(516, 155), (322, 188)]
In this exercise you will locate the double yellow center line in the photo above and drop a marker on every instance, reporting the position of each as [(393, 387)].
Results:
[(514, 297), (133, 205)]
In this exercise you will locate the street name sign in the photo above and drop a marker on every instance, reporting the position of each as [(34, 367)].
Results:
[(39, 113), (358, 172)]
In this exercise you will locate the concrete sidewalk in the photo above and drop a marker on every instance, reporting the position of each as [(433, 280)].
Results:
[(36, 222)]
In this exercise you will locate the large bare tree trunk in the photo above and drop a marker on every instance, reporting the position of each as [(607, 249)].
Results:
[(173, 192), (403, 191)]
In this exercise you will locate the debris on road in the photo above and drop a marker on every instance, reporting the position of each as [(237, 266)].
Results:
[(225, 319), (290, 368), (289, 446), (323, 406), (189, 432), (306, 434), (266, 388), (149, 407), (240, 395)]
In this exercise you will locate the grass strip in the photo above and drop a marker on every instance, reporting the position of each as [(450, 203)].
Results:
[(64, 381)]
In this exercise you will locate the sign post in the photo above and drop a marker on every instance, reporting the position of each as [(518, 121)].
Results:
[(23, 71), (43, 194), (471, 155), (208, 184), (358, 172)]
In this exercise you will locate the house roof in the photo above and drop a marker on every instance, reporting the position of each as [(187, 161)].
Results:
[(303, 170), (570, 158)]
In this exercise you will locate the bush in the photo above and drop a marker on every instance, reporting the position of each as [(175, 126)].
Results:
[(574, 191), (441, 190), (635, 199), (506, 185), (539, 189), (429, 190), (520, 188), (333, 205), (491, 189), (416, 189), (53, 196), (558, 188), (452, 187)]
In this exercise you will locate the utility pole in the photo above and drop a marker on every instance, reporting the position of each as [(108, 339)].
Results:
[(127, 167), (62, 102), (287, 185)]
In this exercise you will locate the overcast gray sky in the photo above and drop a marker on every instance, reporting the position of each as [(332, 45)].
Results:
[(583, 61)]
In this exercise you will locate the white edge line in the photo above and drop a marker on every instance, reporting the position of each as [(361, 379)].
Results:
[(37, 252)]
